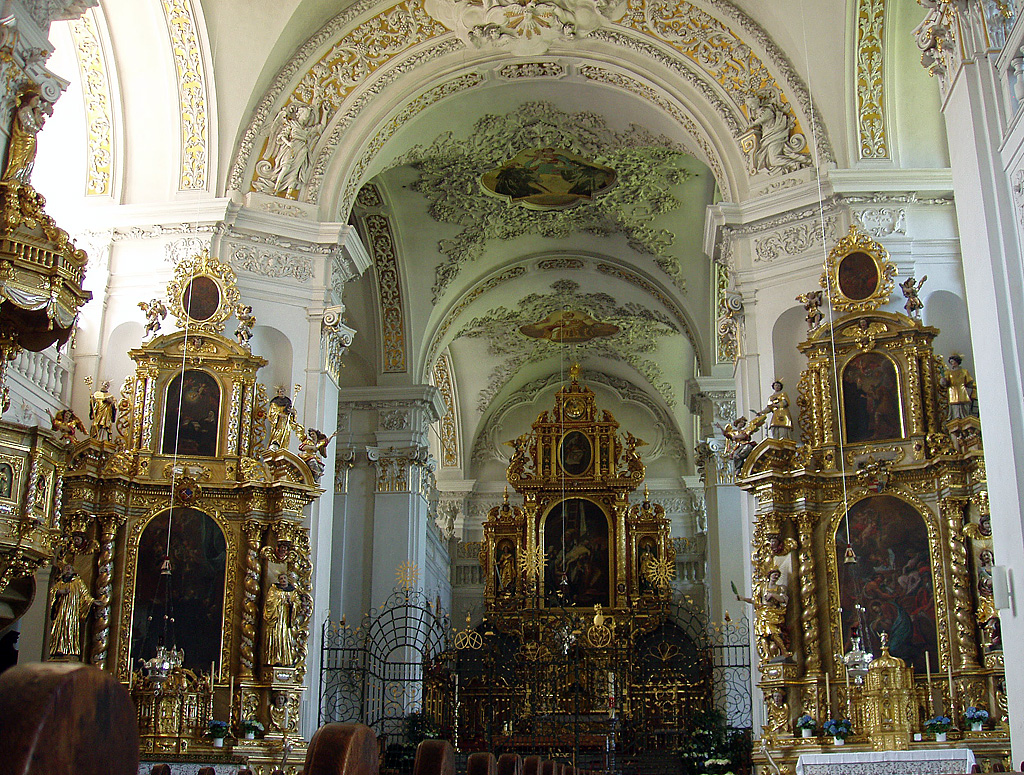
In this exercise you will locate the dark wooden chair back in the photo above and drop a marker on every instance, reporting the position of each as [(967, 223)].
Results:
[(342, 749), (482, 763), (531, 765), (63, 717), (510, 764), (434, 757)]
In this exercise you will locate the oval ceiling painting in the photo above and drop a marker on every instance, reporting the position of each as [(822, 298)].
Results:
[(548, 179)]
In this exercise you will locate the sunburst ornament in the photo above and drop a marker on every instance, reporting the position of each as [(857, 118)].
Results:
[(532, 561), (659, 572), (408, 574)]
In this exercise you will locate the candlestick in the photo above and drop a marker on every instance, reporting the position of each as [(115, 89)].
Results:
[(849, 698), (828, 696), (949, 673), (231, 697), (928, 672)]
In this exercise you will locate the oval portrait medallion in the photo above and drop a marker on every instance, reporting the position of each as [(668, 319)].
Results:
[(201, 298), (575, 454), (858, 276)]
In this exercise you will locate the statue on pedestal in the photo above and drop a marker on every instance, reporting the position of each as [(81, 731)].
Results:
[(960, 387), (70, 603), (279, 612), (780, 426), (102, 412)]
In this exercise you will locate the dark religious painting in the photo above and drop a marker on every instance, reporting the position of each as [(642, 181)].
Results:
[(858, 276), (576, 570), (889, 588), (194, 430), (575, 454), (201, 298), (871, 399), (191, 597), (6, 480), (548, 178)]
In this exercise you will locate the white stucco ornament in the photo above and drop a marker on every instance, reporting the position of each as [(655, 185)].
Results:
[(523, 27)]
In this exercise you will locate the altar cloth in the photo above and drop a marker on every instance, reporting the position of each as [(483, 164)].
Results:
[(937, 761)]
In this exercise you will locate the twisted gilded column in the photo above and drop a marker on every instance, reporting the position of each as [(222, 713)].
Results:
[(952, 510), (253, 532), (808, 596), (108, 527)]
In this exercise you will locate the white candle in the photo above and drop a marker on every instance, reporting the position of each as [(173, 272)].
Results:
[(231, 697), (828, 696), (928, 673), (949, 673)]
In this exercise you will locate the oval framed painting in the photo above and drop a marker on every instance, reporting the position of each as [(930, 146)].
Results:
[(201, 298), (575, 453)]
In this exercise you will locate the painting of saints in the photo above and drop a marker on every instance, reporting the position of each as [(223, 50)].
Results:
[(191, 415), (575, 453), (890, 587), (191, 597), (576, 546), (871, 399)]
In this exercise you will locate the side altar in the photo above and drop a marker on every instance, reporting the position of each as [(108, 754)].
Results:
[(872, 560), (182, 561)]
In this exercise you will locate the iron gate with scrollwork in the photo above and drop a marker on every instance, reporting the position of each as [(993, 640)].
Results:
[(633, 704)]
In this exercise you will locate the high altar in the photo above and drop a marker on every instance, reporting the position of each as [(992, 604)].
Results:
[(875, 529), (181, 561)]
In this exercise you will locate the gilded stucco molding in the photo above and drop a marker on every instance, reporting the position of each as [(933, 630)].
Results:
[(99, 115), (449, 427), (872, 137), (381, 243), (183, 34), (715, 41)]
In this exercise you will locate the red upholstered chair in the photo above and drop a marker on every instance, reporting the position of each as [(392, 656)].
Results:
[(64, 717), (482, 763), (510, 764), (434, 757), (531, 765), (342, 749)]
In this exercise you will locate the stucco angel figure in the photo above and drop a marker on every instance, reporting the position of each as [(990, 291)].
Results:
[(313, 450), (67, 423), (246, 321), (30, 115), (155, 312), (293, 136), (70, 603), (774, 150), (910, 290), (812, 306), (740, 438)]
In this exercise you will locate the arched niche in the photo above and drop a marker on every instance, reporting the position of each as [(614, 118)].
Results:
[(577, 541), (192, 414), (116, 363), (790, 327), (948, 313), (277, 348), (886, 584), (191, 597), (871, 399)]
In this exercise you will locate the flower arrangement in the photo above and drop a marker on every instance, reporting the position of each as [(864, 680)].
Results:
[(218, 729), (840, 728), (252, 726), (805, 722), (939, 724), (975, 715), (717, 766)]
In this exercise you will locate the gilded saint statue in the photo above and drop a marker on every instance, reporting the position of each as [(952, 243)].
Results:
[(281, 414), (70, 603), (506, 570), (960, 388), (31, 112), (780, 426), (770, 601), (102, 412), (280, 610)]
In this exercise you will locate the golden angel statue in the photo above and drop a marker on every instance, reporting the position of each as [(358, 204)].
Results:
[(70, 603), (31, 111), (67, 424)]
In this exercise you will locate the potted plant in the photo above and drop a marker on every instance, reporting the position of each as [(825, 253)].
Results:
[(251, 727), (806, 725), (977, 717), (840, 729), (218, 731), (938, 726)]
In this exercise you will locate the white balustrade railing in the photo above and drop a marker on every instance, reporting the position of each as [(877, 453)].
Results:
[(42, 371)]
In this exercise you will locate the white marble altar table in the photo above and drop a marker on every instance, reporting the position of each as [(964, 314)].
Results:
[(939, 761)]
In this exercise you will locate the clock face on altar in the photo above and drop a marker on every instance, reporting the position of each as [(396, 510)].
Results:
[(574, 408)]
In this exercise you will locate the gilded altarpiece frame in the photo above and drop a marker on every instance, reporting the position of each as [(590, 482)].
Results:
[(803, 493), (256, 497)]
